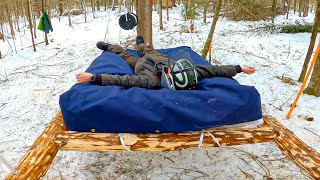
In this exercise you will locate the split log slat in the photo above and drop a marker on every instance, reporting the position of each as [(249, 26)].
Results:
[(104, 142), (299, 152), (40, 156)]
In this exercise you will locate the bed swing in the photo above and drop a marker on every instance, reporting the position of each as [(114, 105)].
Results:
[(220, 112), (97, 118)]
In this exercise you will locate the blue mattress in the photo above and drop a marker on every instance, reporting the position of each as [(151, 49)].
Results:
[(114, 109)]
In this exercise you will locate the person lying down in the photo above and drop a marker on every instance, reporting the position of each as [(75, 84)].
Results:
[(155, 70)]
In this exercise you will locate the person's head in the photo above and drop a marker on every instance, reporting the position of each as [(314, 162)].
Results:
[(182, 76)]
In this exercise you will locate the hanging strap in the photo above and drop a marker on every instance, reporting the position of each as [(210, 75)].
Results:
[(123, 143), (12, 169), (213, 138)]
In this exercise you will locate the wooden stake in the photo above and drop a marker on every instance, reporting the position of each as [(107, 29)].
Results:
[(40, 156), (315, 57)]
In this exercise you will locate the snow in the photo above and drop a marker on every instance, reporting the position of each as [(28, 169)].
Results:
[(31, 83)]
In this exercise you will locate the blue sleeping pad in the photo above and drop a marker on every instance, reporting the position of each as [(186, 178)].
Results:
[(113, 109)]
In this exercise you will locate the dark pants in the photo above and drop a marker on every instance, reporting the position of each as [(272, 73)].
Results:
[(131, 59)]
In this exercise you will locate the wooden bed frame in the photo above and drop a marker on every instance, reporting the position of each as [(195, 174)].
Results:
[(55, 137)]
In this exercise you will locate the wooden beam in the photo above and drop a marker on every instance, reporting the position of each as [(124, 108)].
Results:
[(104, 142), (40, 156), (299, 152)]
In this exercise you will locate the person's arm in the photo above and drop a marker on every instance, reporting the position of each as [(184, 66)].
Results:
[(248, 70), (208, 71), (85, 77), (128, 81)]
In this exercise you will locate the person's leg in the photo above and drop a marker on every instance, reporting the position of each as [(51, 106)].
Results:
[(131, 59), (144, 49)]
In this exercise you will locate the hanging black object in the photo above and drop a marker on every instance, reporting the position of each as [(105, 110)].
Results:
[(128, 21)]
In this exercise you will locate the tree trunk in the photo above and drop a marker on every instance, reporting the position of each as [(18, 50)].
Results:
[(49, 8), (288, 8), (144, 12), (274, 9), (205, 8), (60, 7), (69, 14), (305, 8), (160, 14), (10, 21), (2, 32), (17, 15), (213, 26), (294, 6), (167, 10), (113, 3), (98, 5), (30, 24), (92, 5), (83, 6), (119, 5), (129, 5), (312, 42), (45, 34), (283, 7), (300, 7), (34, 26), (314, 84)]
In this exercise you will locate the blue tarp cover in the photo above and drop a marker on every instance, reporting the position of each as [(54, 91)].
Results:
[(114, 109)]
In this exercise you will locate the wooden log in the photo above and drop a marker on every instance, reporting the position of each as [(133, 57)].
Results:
[(104, 142), (299, 152), (40, 156)]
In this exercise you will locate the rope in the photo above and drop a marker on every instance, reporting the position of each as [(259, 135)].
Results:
[(12, 169), (213, 138), (107, 29), (123, 143)]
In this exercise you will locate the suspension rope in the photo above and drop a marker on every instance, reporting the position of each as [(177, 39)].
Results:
[(123, 143), (12, 169), (213, 138)]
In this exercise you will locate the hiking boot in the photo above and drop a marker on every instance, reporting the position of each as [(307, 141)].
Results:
[(102, 45), (139, 39)]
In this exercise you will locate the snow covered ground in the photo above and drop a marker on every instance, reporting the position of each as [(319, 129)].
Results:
[(31, 82)]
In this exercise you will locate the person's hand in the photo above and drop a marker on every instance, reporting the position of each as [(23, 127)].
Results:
[(248, 70), (84, 77)]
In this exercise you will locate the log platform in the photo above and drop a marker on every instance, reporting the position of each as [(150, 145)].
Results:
[(55, 137)]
